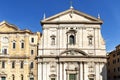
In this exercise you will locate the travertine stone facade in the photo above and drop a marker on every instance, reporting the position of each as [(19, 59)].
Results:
[(18, 49), (72, 48)]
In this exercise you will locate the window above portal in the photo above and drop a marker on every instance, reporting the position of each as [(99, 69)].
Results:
[(71, 37)]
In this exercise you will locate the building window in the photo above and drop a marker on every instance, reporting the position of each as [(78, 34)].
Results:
[(21, 77), (118, 69), (31, 78), (3, 78), (3, 64), (53, 39), (32, 40), (32, 52), (14, 45), (22, 44), (72, 76), (113, 55), (13, 64), (52, 78), (4, 51), (71, 40), (91, 78), (114, 69), (114, 61), (118, 60), (90, 40), (31, 65), (21, 64), (13, 77)]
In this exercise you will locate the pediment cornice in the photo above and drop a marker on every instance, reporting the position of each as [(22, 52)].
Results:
[(51, 20)]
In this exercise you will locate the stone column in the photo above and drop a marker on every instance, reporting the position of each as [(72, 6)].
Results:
[(83, 65), (63, 71), (81, 70)]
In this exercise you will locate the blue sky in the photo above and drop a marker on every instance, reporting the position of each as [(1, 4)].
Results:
[(26, 14)]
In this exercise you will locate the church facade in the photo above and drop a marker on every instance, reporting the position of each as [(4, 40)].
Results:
[(72, 48)]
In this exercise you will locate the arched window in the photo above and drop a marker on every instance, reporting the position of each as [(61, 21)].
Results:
[(32, 40), (72, 39), (31, 65), (71, 36), (22, 44), (32, 52), (53, 41), (14, 44)]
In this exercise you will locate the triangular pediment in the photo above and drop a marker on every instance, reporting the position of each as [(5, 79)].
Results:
[(71, 15), (73, 52), (6, 27)]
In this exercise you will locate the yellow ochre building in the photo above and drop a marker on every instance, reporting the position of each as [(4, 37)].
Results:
[(18, 49)]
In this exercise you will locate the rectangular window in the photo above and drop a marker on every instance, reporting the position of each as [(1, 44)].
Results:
[(32, 40), (3, 64), (114, 69), (21, 64), (4, 51), (14, 45), (72, 76), (118, 60), (32, 52), (13, 64)]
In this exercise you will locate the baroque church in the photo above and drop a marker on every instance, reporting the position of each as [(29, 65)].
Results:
[(72, 47)]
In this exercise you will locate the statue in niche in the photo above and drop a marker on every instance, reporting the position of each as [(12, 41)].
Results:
[(52, 66), (91, 66)]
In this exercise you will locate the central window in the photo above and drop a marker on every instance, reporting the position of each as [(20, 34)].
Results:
[(71, 36), (71, 39), (72, 76)]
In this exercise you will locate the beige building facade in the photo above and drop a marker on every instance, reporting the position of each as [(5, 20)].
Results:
[(72, 48), (18, 49), (113, 66)]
